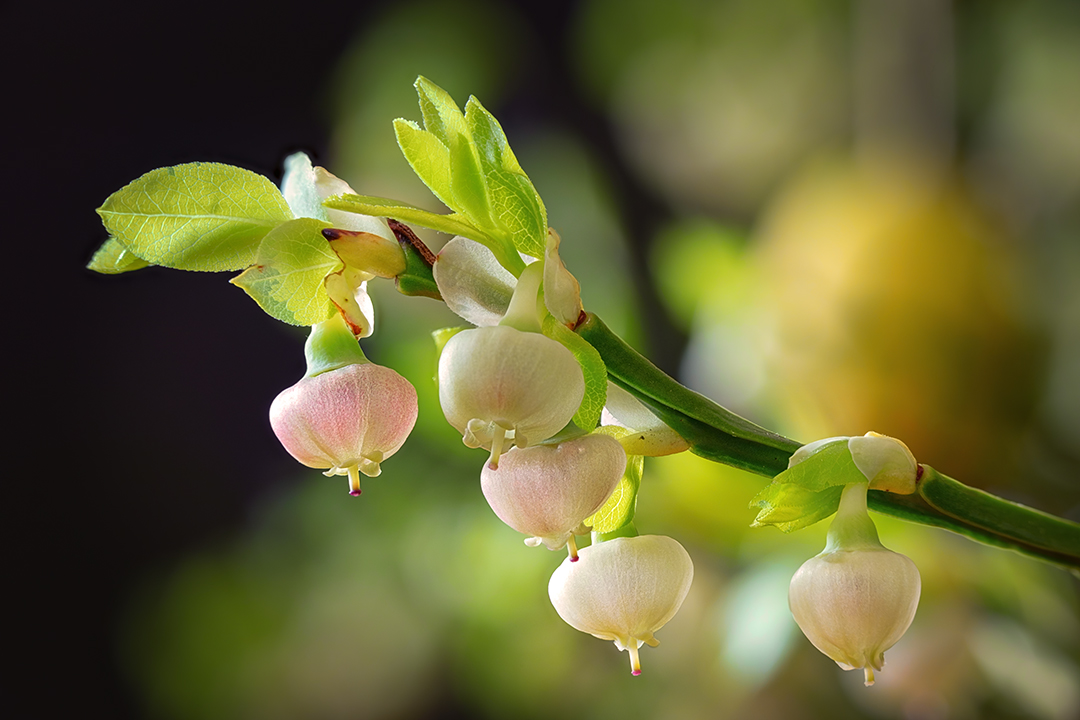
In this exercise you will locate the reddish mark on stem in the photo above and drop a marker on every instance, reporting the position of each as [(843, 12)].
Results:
[(635, 673), (406, 236), (355, 493)]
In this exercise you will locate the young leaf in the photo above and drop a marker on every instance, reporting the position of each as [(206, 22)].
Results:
[(515, 205), (619, 509), (592, 366), (442, 116), (287, 277), (382, 207), (467, 183), (198, 216), (112, 258), (809, 491), (428, 156)]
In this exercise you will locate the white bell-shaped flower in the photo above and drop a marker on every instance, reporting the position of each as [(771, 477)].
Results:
[(500, 387), (509, 384), (623, 590), (857, 598), (546, 491)]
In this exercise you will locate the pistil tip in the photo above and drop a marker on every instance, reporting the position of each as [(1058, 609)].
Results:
[(355, 493), (635, 673)]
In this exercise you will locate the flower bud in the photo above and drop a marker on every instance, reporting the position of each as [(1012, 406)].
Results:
[(346, 414), (856, 599), (547, 491), (623, 590), (498, 384)]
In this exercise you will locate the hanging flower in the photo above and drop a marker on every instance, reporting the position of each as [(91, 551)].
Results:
[(546, 491), (857, 598), (347, 414), (623, 590), (501, 387)]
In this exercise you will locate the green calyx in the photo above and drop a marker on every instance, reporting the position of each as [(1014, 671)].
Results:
[(331, 345), (852, 528)]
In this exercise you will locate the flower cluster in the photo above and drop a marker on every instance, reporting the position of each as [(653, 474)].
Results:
[(514, 391)]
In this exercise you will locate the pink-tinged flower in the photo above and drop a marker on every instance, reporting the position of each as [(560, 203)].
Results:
[(347, 420), (623, 590), (546, 491)]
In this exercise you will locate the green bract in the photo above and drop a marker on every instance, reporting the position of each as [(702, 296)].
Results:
[(809, 490), (290, 267), (592, 367)]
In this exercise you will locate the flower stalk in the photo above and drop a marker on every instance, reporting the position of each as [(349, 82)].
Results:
[(717, 434)]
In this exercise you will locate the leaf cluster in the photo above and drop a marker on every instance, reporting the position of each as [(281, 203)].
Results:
[(466, 161)]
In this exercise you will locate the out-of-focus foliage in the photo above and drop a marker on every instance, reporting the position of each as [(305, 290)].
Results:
[(828, 287)]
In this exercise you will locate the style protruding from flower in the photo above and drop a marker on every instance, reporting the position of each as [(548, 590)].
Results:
[(623, 590), (508, 384), (347, 414), (857, 598), (546, 491)]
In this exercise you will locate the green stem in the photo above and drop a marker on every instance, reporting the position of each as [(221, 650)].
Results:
[(719, 435)]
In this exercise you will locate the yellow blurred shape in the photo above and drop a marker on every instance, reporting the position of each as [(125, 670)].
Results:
[(895, 304)]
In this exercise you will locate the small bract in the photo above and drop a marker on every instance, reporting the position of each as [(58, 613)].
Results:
[(500, 387), (857, 598), (546, 491), (623, 590), (347, 420)]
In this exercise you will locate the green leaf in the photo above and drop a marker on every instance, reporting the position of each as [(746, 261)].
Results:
[(592, 367), (199, 216), (112, 258), (428, 156), (383, 207), (619, 509), (442, 116), (443, 119), (808, 492), (467, 183), (290, 267), (515, 205)]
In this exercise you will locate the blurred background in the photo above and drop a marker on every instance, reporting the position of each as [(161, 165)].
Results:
[(831, 216)]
